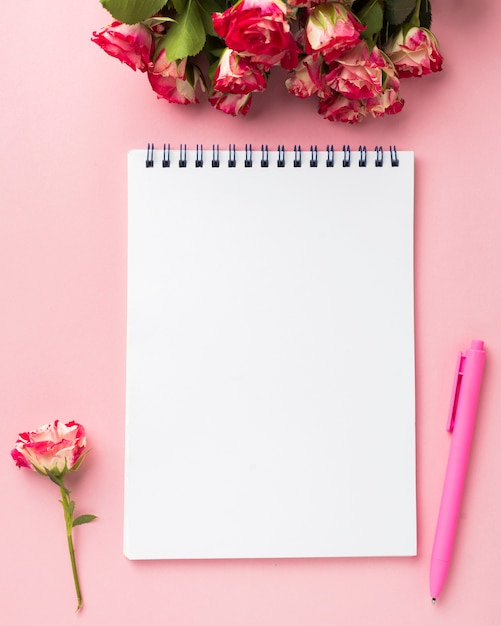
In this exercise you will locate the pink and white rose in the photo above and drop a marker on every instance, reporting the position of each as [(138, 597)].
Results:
[(337, 108), (332, 29), (308, 78), (169, 80), (52, 449), (132, 45), (415, 52), (388, 102), (237, 74), (231, 103), (358, 73), (258, 29)]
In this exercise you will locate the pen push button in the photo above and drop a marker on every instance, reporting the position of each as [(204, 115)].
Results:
[(476, 346)]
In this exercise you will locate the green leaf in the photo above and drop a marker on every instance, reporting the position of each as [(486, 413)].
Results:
[(399, 10), (186, 37), (214, 48), (155, 21), (83, 519), (57, 478), (179, 5), (425, 14), (371, 17), (207, 8), (132, 11)]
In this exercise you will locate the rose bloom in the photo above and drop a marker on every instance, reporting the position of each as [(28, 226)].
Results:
[(231, 103), (169, 80), (132, 45), (258, 29), (337, 108), (358, 73), (236, 74), (54, 448), (415, 53), (331, 29), (308, 78), (388, 102)]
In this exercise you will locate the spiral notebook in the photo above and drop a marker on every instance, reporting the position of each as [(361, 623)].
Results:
[(270, 353)]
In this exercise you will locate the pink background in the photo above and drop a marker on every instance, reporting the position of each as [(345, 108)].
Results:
[(69, 114)]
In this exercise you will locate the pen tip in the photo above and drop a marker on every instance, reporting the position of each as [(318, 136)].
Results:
[(433, 600)]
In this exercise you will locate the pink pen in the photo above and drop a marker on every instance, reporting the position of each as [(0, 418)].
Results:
[(460, 422)]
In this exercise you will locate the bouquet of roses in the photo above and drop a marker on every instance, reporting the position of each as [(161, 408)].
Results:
[(350, 55)]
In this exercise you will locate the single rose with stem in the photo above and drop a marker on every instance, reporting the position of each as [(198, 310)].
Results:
[(52, 451)]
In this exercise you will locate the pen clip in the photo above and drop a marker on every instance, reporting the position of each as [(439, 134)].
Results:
[(458, 376)]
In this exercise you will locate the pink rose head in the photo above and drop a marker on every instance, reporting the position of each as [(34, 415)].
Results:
[(358, 73), (331, 29), (239, 75), (52, 449), (256, 28), (231, 103), (132, 45), (415, 52), (388, 102), (337, 108), (175, 81), (308, 79)]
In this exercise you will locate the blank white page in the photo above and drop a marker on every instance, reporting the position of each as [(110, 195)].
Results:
[(270, 359)]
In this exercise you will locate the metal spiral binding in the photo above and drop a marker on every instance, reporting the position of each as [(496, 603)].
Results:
[(314, 156), (330, 156), (199, 158), (297, 156), (265, 158), (346, 156), (393, 156), (362, 161), (182, 159), (149, 156), (232, 158), (166, 157), (248, 156), (281, 156), (215, 156)]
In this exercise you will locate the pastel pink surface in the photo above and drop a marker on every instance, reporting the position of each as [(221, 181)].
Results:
[(69, 115)]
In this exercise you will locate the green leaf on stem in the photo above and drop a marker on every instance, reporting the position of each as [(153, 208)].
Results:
[(58, 479), (425, 14), (371, 17), (179, 5), (186, 37), (399, 10), (83, 519), (155, 21), (130, 11), (207, 8)]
